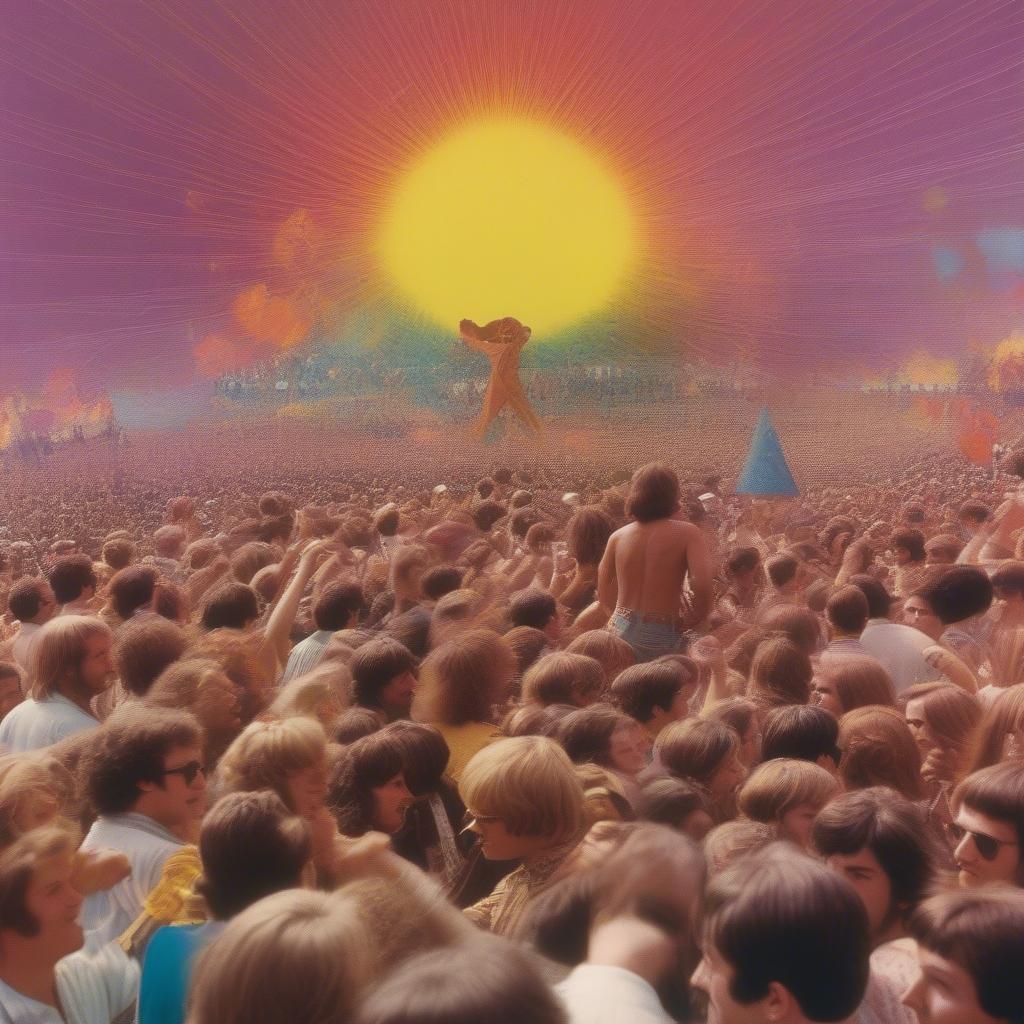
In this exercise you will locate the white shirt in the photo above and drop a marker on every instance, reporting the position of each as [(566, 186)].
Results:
[(147, 844), (35, 724), (899, 648), (602, 994), (24, 643), (93, 989), (306, 655)]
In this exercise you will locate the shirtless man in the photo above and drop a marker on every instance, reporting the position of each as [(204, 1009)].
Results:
[(640, 579)]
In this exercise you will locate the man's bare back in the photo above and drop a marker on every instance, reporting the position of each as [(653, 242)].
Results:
[(645, 565)]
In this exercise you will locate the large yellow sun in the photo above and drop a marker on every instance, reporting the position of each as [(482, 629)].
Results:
[(508, 218)]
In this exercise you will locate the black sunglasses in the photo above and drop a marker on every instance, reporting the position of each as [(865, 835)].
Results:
[(988, 846), (189, 772)]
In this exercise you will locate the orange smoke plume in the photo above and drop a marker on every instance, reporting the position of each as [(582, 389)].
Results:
[(271, 318), (216, 355), (1006, 373), (927, 370), (977, 433)]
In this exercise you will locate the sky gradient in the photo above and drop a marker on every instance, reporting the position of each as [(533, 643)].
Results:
[(823, 185)]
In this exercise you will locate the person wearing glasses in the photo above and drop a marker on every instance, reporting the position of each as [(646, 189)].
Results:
[(144, 777), (987, 829)]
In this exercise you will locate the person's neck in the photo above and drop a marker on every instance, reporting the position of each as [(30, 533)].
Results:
[(633, 945), (23, 970), (77, 694), (891, 934), (839, 634)]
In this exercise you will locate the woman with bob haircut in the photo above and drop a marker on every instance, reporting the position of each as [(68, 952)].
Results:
[(1000, 733), (943, 718), (680, 805), (491, 980), (788, 794), (851, 681), (706, 753), (460, 686), (780, 674), (563, 678), (970, 947), (803, 731), (878, 749), (740, 714), (296, 956), (656, 693), (526, 803), (367, 790), (250, 846), (604, 646)]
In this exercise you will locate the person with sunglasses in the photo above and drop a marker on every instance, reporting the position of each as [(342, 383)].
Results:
[(987, 830), (144, 776)]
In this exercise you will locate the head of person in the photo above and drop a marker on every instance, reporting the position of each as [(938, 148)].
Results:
[(785, 938), (614, 654), (491, 981), (524, 797), (602, 735), (31, 795), (943, 719), (729, 842), (250, 845), (536, 608), (879, 599), (131, 589), (170, 541), (367, 788), (317, 694), (143, 649), (201, 553), (118, 553), (464, 679), (788, 794), (798, 625), (779, 674), (354, 723), (1000, 733), (878, 749), (387, 520), (384, 677), (297, 956), (846, 612), (147, 760), (881, 843), (919, 613), (960, 593), (72, 578), (238, 660), (743, 566), (200, 685), (11, 694), (973, 515), (72, 657), (32, 600), (655, 693), (288, 757), (908, 546), (424, 755), (230, 606), (39, 903), (486, 513), (783, 571), (682, 806), (741, 715), (527, 645), (848, 681), (942, 549), (704, 752), (653, 493), (564, 678), (988, 826), (970, 948), (587, 534), (440, 580), (338, 606), (802, 731)]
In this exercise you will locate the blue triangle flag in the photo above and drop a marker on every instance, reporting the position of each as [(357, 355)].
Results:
[(766, 471)]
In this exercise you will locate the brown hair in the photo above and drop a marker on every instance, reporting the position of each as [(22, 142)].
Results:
[(587, 534), (563, 678), (859, 681), (463, 679), (17, 866), (1004, 717), (779, 674), (614, 654), (951, 715), (777, 787), (59, 651), (586, 733), (143, 649), (653, 493), (878, 749), (695, 748)]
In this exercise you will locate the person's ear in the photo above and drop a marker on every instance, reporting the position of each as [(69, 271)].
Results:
[(778, 1004)]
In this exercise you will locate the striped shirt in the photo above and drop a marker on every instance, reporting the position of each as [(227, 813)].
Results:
[(306, 655)]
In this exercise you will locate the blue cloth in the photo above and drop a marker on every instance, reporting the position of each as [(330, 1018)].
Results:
[(649, 640), (168, 968)]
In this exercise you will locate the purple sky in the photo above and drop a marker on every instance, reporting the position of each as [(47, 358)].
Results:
[(149, 152)]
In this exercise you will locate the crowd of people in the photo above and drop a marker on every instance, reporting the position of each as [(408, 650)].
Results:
[(497, 749)]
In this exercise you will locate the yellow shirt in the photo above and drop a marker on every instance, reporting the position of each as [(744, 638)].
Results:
[(464, 741)]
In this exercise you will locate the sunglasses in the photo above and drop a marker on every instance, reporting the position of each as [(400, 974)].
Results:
[(189, 772), (988, 846)]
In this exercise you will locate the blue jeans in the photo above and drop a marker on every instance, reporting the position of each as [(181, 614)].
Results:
[(649, 640)]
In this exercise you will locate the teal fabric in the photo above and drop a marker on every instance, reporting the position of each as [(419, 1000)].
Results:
[(167, 969), (766, 471)]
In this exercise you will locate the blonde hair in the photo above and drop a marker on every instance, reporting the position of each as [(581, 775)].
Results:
[(297, 956), (264, 754), (777, 786), (23, 777), (306, 694), (561, 678), (59, 651), (529, 783), (606, 647), (727, 843), (180, 684)]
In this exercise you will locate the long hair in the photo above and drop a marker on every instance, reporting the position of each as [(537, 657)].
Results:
[(1004, 718), (59, 651)]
